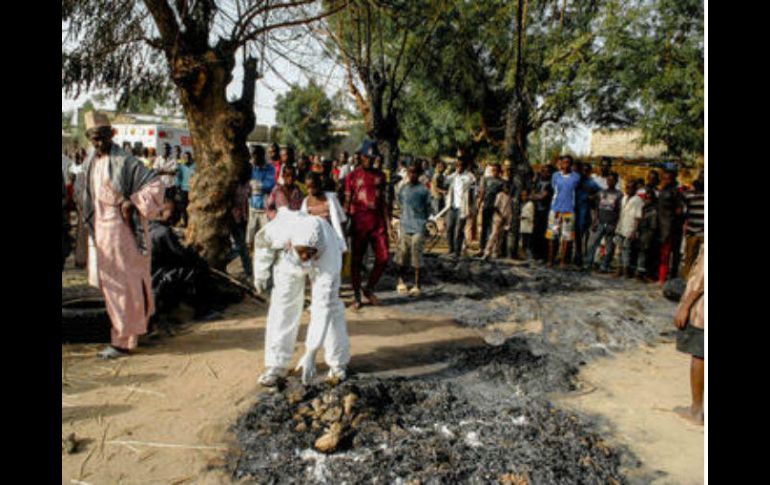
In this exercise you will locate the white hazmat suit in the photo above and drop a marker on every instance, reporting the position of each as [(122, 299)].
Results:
[(274, 246)]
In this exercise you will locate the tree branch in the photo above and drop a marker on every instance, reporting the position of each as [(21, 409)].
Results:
[(165, 20), (250, 76), (363, 106), (289, 23), (410, 65), (239, 29), (400, 53)]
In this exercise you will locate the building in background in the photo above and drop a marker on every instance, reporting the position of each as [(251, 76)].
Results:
[(623, 144), (633, 160)]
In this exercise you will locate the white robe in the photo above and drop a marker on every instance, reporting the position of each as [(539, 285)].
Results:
[(327, 326), (337, 215)]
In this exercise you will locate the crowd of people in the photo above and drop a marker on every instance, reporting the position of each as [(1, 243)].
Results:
[(175, 168), (297, 219)]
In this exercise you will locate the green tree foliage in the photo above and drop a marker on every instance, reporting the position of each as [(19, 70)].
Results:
[(561, 73), (546, 144), (148, 104), (430, 124), (605, 63), (669, 67), (305, 115), (380, 43), (66, 120)]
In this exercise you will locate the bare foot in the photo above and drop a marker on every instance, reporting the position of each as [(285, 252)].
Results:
[(695, 417)]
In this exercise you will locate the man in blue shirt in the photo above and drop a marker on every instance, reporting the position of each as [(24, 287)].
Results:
[(561, 219), (415, 202), (262, 183), (184, 172), (584, 201)]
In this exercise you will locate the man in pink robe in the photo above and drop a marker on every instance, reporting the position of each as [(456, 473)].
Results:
[(116, 195)]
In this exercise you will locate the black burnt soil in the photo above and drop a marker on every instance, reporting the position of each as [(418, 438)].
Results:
[(486, 416)]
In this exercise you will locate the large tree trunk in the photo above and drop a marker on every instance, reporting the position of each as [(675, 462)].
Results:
[(219, 129), (517, 130), (381, 126), (517, 119), (386, 133)]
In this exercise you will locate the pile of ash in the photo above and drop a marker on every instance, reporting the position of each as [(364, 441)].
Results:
[(493, 277), (519, 367), (602, 323), (583, 313), (469, 273), (442, 428), (463, 288)]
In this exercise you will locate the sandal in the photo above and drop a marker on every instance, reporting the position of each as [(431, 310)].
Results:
[(110, 352), (337, 373), (373, 300)]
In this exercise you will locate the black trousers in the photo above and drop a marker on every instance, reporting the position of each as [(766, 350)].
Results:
[(539, 244), (455, 230), (486, 224), (183, 197)]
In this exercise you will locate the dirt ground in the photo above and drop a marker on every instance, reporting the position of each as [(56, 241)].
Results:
[(635, 392), (162, 415)]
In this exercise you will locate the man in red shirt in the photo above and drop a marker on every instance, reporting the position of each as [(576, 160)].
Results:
[(365, 189), (273, 156)]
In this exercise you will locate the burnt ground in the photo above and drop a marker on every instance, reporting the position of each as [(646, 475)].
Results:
[(485, 417), (588, 314)]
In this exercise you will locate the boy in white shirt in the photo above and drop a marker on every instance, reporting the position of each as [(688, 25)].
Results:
[(626, 234), (527, 224)]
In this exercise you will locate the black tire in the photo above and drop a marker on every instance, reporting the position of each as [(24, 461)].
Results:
[(85, 321), (673, 289)]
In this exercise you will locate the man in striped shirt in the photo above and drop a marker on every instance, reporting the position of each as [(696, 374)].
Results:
[(694, 223)]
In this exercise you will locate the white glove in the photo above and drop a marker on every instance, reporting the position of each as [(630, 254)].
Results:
[(307, 366), (260, 285)]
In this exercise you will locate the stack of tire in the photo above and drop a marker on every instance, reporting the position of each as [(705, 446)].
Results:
[(85, 321), (673, 289)]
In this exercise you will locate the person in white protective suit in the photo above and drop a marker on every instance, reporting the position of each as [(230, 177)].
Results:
[(304, 245)]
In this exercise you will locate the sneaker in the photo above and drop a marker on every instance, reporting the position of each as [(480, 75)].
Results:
[(401, 289), (415, 292), (271, 376)]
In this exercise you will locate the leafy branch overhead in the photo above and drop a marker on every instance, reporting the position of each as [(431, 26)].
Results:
[(305, 116)]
